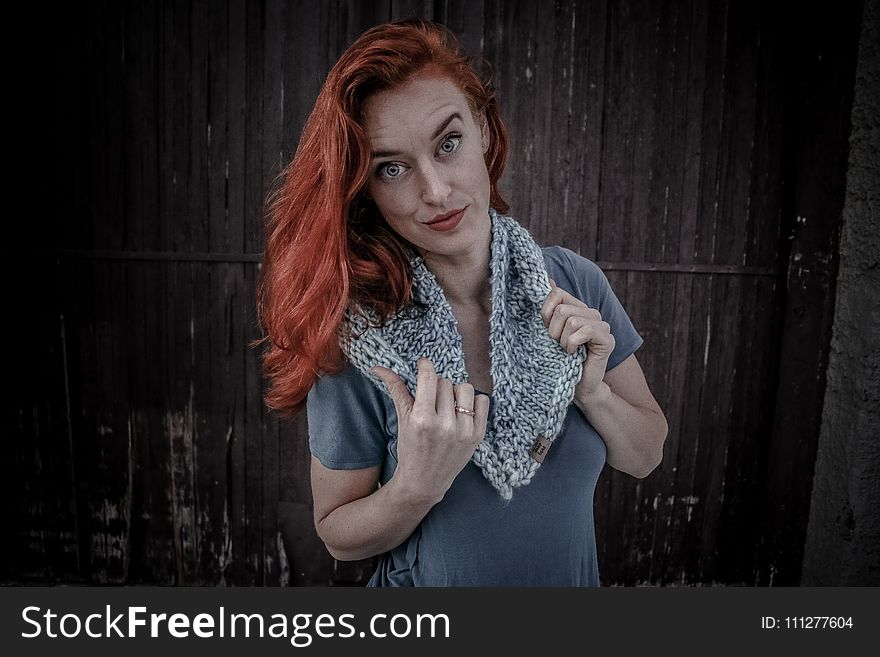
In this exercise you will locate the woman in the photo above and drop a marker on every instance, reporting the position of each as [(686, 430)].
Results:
[(461, 403)]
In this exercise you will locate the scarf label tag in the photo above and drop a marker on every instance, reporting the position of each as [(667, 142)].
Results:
[(539, 449)]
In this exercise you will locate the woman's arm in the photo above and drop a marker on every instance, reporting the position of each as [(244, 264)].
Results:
[(624, 412), (355, 519), (618, 402), (352, 517)]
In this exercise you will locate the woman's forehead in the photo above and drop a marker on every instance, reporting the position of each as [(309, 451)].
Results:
[(419, 103)]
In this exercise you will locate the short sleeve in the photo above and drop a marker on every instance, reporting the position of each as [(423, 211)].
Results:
[(346, 417), (584, 279)]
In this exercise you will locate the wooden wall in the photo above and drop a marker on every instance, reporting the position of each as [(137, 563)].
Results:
[(671, 142)]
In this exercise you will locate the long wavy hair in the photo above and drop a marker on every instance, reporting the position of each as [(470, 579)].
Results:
[(327, 246)]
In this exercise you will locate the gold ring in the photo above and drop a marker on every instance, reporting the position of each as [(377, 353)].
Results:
[(459, 409)]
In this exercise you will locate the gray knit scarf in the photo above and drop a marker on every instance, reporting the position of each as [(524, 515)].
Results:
[(533, 376)]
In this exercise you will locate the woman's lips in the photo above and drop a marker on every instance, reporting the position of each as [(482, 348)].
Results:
[(448, 223)]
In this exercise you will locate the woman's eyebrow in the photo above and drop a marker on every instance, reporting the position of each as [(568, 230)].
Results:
[(434, 135), (442, 126)]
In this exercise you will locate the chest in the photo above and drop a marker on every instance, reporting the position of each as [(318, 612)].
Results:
[(473, 325)]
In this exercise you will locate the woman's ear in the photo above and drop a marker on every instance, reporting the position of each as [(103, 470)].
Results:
[(484, 134)]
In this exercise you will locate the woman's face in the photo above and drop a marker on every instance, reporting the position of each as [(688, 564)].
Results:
[(428, 175)]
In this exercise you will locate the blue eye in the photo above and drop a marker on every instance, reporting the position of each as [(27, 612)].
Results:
[(390, 170), (450, 144)]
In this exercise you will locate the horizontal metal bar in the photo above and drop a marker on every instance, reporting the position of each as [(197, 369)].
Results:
[(182, 256)]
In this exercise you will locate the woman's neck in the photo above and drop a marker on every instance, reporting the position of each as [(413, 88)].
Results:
[(464, 278)]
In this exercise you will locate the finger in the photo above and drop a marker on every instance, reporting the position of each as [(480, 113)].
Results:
[(569, 298), (559, 296), (553, 283), (547, 308), (560, 316), (403, 401), (464, 397), (597, 336), (426, 387), (596, 363), (576, 324), (445, 400), (481, 415)]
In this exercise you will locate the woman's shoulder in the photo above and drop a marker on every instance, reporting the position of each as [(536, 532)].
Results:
[(348, 421), (563, 264), (349, 384)]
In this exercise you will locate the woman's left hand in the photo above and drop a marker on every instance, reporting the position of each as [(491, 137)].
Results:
[(572, 323)]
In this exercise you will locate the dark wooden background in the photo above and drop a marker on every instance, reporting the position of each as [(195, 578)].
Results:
[(696, 150)]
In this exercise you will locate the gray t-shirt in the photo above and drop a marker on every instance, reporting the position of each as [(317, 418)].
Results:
[(543, 536)]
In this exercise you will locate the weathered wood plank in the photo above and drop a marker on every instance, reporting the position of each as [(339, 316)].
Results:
[(107, 431), (149, 533), (235, 164), (676, 368), (466, 20), (219, 117), (586, 92), (107, 227), (412, 9), (146, 162), (751, 404), (693, 115), (357, 17)]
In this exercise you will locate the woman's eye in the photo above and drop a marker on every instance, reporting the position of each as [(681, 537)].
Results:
[(391, 170), (450, 144)]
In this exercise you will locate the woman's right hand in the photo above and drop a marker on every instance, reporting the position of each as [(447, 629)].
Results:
[(434, 441)]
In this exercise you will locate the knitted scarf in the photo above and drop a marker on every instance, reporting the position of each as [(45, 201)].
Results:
[(533, 376)]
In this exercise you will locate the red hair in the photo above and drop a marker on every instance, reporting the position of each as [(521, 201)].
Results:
[(327, 246)]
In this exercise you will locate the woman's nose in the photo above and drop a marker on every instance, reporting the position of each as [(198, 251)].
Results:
[(435, 188)]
